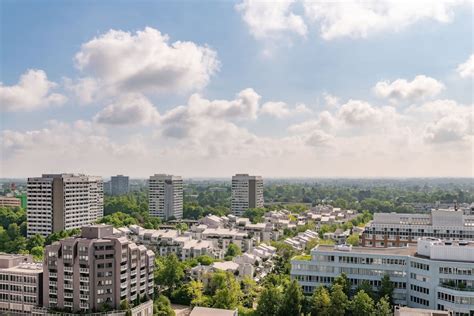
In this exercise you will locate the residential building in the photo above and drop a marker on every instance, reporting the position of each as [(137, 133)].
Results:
[(432, 274), (10, 201), (247, 192), (20, 284), (63, 201), (82, 274), (165, 196), (395, 229), (119, 185), (408, 311)]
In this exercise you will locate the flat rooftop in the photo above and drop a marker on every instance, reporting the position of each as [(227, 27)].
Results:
[(401, 251), (206, 311)]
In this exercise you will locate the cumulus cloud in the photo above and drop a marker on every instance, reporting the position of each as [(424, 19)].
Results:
[(330, 100), (128, 110), (318, 138), (181, 121), (143, 62), (269, 19), (448, 129), (33, 91), (466, 69), (420, 87), (359, 19), (359, 113), (282, 110)]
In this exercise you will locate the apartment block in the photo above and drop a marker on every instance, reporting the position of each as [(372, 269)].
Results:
[(119, 185), (20, 284), (10, 201), (63, 201), (82, 274), (165, 196), (247, 192), (395, 230), (433, 274)]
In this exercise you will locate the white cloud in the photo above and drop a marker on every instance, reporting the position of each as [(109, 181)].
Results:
[(330, 100), (359, 113), (269, 19), (143, 62), (448, 129), (325, 121), (33, 91), (181, 121), (466, 69), (359, 19), (420, 87), (282, 110), (318, 139), (128, 110), (86, 90)]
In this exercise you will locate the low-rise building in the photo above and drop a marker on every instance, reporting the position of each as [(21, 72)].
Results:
[(432, 274), (10, 201), (395, 229), (20, 283)]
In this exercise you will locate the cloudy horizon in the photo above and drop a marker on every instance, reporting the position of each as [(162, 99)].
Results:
[(288, 89)]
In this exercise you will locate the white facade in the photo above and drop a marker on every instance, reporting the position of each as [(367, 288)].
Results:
[(394, 230), (63, 201), (166, 196), (247, 192), (432, 275)]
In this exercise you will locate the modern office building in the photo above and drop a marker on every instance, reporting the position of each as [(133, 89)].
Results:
[(247, 192), (82, 274), (20, 284), (394, 230), (433, 274), (119, 185), (165, 195), (63, 201)]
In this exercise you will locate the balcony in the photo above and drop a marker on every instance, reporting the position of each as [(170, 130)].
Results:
[(67, 294), (68, 269), (67, 304), (84, 270), (84, 279), (53, 291), (68, 286), (53, 275), (84, 288)]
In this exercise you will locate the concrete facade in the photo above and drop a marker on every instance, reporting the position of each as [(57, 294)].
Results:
[(247, 192), (20, 283), (165, 196), (63, 201), (82, 274), (432, 274)]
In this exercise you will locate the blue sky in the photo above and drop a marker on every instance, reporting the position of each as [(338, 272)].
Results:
[(259, 46)]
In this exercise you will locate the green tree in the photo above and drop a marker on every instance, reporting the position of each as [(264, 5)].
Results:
[(205, 260), (386, 288), (367, 288), (232, 251), (362, 304), (169, 272), (270, 301), (344, 282), (35, 241), (383, 307), (162, 306), (292, 300), (228, 295), (320, 302), (249, 291), (353, 240), (37, 253), (339, 301)]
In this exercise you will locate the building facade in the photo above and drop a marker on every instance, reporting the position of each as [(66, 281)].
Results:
[(397, 230), (20, 284), (82, 274), (165, 196), (119, 185), (247, 192), (433, 274), (10, 201), (63, 201)]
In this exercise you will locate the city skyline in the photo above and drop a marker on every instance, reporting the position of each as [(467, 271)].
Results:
[(298, 89)]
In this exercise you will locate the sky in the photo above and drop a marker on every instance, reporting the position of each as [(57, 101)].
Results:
[(212, 88)]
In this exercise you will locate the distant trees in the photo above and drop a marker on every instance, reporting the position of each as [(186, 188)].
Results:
[(232, 251)]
